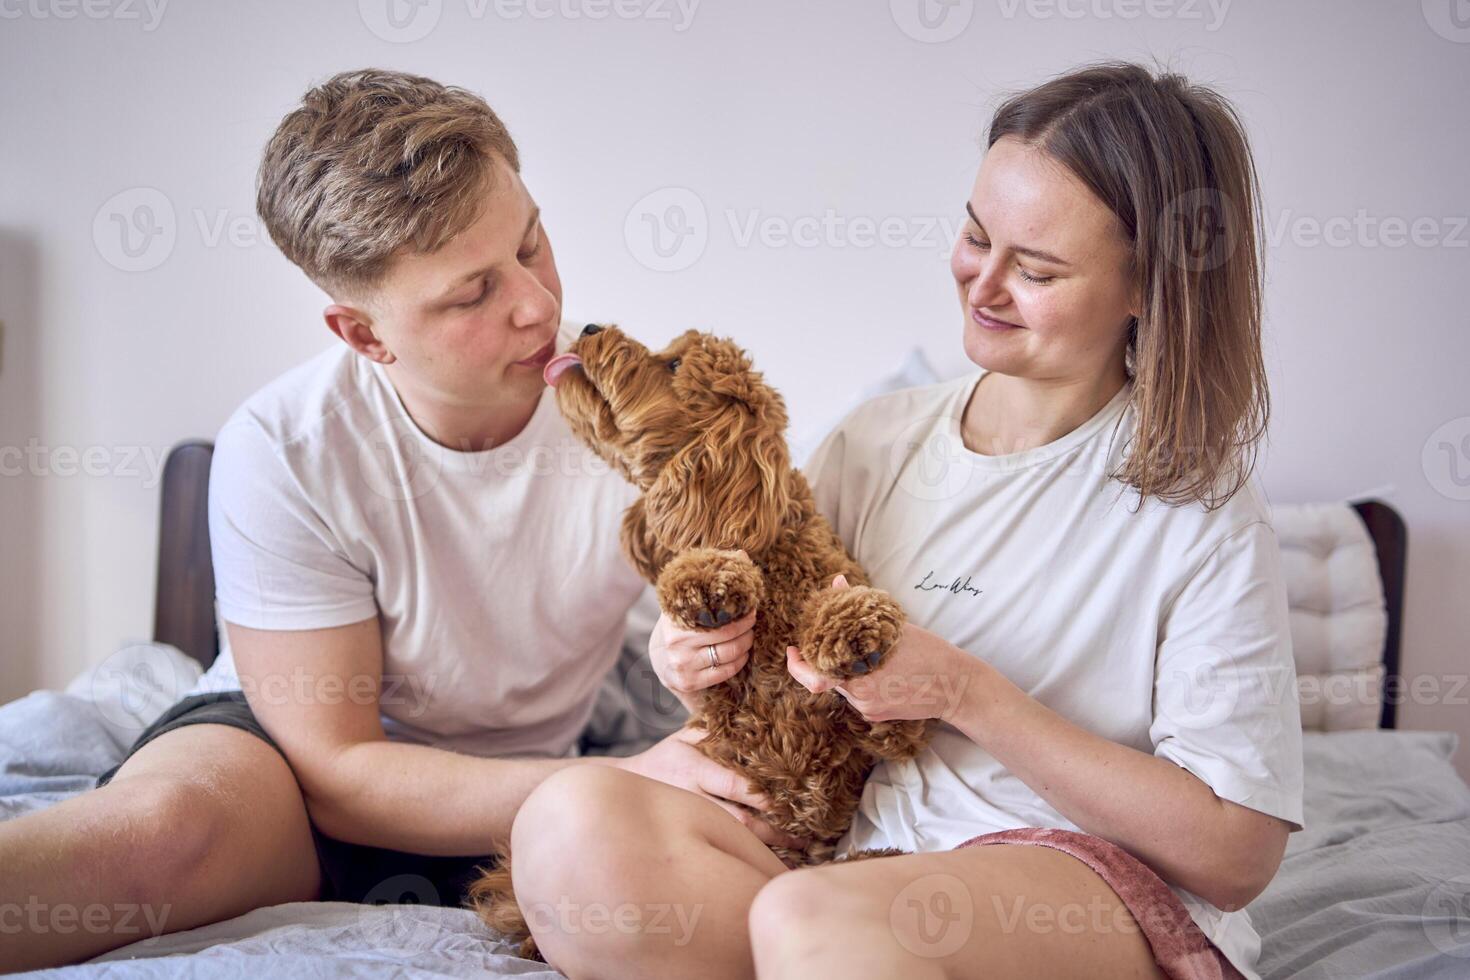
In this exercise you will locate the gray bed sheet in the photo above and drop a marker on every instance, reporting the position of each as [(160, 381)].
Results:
[(1376, 885)]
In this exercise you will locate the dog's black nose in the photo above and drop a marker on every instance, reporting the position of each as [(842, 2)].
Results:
[(590, 329)]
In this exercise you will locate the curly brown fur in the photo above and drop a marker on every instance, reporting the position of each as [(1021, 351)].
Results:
[(493, 898), (702, 435)]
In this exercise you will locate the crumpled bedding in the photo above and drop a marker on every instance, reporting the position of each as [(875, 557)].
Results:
[(1376, 884)]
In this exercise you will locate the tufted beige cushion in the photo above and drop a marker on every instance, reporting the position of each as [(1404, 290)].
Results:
[(1338, 617)]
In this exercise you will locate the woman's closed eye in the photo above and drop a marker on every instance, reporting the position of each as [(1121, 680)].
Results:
[(984, 246)]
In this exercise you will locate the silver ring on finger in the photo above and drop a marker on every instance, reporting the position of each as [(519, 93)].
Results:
[(714, 657)]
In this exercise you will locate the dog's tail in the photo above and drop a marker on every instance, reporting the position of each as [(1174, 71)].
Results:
[(493, 899)]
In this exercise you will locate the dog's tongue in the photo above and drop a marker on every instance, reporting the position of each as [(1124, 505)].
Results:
[(558, 366)]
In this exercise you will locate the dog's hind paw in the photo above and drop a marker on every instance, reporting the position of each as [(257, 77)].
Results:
[(847, 632), (707, 588)]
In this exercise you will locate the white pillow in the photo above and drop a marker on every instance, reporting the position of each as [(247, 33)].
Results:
[(914, 371), (135, 685), (1338, 616)]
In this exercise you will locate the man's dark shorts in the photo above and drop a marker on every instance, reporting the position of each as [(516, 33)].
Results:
[(350, 872)]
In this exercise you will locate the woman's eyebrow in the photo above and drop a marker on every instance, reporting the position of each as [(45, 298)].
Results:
[(1034, 253)]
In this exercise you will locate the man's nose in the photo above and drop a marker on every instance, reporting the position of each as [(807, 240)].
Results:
[(590, 329)]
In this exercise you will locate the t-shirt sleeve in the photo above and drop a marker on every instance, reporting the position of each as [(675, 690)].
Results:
[(277, 566), (823, 472), (1225, 689)]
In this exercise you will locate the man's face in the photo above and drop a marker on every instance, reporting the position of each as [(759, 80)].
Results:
[(473, 323)]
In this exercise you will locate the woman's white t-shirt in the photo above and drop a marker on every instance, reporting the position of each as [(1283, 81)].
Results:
[(1162, 628), (497, 575)]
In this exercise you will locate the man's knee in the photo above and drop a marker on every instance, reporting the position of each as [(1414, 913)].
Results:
[(239, 819), (162, 831)]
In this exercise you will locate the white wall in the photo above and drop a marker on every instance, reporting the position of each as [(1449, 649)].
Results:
[(771, 110)]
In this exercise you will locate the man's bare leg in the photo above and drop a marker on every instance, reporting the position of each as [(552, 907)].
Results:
[(204, 823)]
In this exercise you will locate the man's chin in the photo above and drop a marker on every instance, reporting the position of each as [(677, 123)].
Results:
[(523, 376)]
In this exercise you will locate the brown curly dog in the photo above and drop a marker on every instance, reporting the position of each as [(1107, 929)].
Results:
[(702, 435)]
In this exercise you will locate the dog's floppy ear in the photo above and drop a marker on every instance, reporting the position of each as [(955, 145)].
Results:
[(728, 488)]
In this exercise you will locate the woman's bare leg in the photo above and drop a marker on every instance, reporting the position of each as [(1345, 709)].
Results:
[(996, 911), (203, 823), (623, 876)]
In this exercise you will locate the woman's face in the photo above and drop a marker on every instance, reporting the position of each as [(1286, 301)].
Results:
[(1043, 272)]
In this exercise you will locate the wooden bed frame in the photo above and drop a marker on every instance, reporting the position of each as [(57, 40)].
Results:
[(183, 611)]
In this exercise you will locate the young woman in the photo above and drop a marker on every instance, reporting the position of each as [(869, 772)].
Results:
[(1098, 618)]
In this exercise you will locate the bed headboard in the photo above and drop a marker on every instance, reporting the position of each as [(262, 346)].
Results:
[(1391, 542), (184, 607)]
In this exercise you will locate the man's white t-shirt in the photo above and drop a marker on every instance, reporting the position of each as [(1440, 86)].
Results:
[(1163, 629), (497, 575)]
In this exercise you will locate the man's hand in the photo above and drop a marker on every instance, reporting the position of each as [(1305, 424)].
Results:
[(681, 658), (677, 762)]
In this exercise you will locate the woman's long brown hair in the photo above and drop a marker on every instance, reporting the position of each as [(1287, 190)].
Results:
[(1171, 160)]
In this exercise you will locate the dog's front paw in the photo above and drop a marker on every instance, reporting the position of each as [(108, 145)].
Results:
[(848, 632), (706, 588)]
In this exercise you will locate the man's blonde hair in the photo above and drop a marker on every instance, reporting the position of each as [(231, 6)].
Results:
[(374, 162)]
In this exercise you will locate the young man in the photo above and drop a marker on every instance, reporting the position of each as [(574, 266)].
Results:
[(417, 565)]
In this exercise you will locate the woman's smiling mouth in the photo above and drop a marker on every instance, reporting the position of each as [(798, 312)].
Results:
[(991, 323)]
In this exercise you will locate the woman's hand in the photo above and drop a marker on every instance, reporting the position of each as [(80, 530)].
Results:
[(682, 658), (923, 676)]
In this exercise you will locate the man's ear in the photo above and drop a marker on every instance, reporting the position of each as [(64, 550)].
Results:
[(354, 327), (727, 489)]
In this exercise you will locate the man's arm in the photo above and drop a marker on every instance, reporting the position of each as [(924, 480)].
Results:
[(316, 693)]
